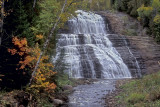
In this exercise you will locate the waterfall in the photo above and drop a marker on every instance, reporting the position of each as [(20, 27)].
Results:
[(88, 52)]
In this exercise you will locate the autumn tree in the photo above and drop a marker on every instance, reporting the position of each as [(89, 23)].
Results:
[(52, 24), (29, 57)]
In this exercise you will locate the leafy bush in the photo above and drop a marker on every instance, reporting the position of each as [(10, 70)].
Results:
[(144, 14), (61, 79), (147, 12), (156, 29)]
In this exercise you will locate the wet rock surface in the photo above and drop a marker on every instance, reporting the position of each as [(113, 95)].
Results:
[(138, 41), (91, 95)]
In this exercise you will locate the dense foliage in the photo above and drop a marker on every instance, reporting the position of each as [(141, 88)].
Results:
[(96, 5), (23, 33), (147, 12)]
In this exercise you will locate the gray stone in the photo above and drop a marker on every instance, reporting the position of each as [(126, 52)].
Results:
[(67, 87), (57, 101)]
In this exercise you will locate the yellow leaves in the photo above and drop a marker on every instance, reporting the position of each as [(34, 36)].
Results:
[(144, 11), (51, 86), (41, 78), (43, 75), (157, 19), (39, 37)]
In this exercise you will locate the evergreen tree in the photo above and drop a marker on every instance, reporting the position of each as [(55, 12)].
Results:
[(22, 24)]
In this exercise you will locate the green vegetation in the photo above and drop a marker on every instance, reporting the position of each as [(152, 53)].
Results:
[(156, 28), (24, 32), (147, 12), (96, 5), (26, 29), (143, 92), (62, 79)]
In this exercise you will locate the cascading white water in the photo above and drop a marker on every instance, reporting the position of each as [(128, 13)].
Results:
[(88, 51)]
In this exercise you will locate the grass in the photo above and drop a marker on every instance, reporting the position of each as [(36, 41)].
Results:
[(143, 92)]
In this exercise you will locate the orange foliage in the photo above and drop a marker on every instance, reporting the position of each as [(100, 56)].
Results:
[(22, 47), (29, 58), (38, 37)]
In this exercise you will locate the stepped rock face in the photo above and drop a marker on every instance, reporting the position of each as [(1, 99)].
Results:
[(150, 52), (88, 50), (92, 51), (143, 47), (129, 54)]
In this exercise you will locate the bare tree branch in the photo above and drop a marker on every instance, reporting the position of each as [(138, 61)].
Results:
[(47, 42)]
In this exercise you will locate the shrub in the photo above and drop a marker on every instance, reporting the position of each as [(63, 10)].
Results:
[(156, 29), (144, 14)]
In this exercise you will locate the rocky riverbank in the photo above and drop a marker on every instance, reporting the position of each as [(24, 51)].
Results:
[(111, 98)]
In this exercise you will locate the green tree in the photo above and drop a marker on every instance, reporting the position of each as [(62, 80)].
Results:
[(22, 24), (156, 6), (156, 29)]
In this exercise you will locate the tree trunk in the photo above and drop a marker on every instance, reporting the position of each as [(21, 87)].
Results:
[(34, 3), (47, 42), (1, 20)]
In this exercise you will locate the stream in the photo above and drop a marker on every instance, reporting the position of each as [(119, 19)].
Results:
[(91, 95)]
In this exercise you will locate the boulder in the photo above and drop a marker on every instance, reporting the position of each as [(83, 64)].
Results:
[(57, 101), (67, 87)]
